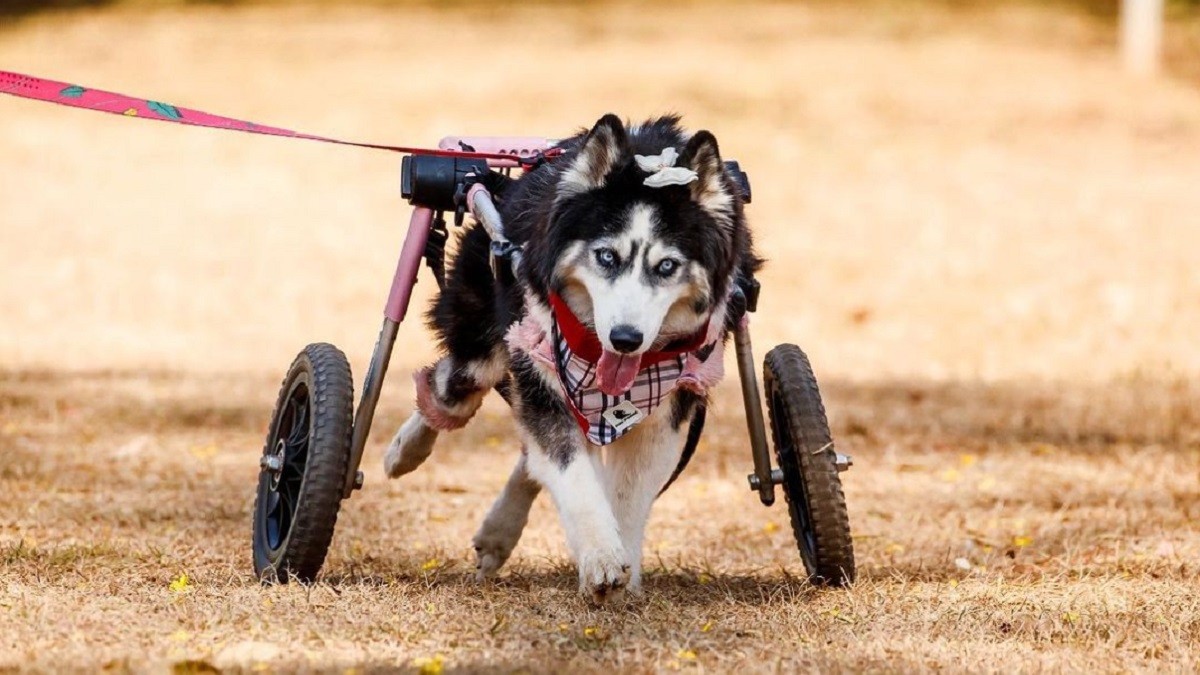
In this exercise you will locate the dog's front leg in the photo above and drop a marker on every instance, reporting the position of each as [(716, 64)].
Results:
[(502, 527), (558, 457), (573, 475), (641, 463)]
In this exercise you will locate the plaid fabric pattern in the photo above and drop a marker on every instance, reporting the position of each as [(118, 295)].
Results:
[(607, 418)]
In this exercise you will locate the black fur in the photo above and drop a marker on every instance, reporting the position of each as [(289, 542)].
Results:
[(473, 312)]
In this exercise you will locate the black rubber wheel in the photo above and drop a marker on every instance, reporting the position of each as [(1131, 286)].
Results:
[(304, 464), (806, 456)]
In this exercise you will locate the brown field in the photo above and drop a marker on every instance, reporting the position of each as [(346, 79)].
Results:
[(983, 233)]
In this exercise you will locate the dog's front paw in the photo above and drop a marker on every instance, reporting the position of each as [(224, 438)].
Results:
[(410, 448), (603, 575), (492, 549)]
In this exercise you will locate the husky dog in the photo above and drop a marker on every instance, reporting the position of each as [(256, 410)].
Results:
[(604, 340)]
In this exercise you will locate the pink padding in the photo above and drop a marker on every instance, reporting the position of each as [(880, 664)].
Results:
[(527, 336), (435, 414), (698, 376)]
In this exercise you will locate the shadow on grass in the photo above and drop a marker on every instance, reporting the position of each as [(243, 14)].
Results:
[(683, 587)]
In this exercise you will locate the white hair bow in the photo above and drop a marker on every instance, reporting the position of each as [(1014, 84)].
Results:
[(662, 169)]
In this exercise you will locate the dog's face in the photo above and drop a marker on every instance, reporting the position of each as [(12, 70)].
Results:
[(644, 265)]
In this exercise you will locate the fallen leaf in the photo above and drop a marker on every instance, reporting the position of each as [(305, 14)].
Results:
[(686, 655), (770, 527), (967, 460), (431, 564), (430, 666), (1021, 541), (708, 625), (950, 475), (181, 584), (204, 451)]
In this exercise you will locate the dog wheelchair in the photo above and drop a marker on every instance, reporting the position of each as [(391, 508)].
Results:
[(316, 437)]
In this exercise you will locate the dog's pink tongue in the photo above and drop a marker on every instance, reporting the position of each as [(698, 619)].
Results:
[(615, 372)]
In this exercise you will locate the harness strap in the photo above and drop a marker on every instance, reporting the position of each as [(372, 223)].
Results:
[(75, 96)]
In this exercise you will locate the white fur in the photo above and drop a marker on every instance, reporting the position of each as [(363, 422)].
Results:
[(637, 466), (410, 447), (580, 494), (601, 493), (629, 299)]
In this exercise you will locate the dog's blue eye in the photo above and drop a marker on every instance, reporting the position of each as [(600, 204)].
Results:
[(666, 268), (606, 257)]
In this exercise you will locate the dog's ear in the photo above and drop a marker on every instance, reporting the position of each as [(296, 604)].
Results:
[(605, 147), (702, 155)]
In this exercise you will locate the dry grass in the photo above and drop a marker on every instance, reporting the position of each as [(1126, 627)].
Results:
[(980, 230)]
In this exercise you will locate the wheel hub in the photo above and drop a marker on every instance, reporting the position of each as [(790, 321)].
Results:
[(273, 464)]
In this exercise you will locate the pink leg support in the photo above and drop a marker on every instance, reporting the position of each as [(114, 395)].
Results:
[(436, 415)]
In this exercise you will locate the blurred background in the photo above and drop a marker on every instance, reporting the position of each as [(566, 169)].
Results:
[(945, 190)]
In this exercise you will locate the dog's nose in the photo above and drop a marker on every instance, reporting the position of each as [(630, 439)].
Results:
[(625, 339)]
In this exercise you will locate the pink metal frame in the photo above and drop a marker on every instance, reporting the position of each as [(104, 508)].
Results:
[(418, 226), (405, 277)]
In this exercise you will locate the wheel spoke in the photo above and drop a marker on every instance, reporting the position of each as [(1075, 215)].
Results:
[(299, 431)]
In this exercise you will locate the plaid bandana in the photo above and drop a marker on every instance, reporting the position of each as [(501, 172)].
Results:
[(603, 418)]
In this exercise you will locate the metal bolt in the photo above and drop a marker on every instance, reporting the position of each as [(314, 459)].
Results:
[(756, 482), (358, 480), (843, 462), (271, 462)]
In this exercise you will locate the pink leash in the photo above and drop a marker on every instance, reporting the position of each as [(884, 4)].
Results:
[(75, 96)]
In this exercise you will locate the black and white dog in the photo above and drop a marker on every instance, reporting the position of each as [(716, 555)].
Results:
[(604, 341)]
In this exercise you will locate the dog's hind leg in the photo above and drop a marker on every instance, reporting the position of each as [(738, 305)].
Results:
[(502, 527), (448, 394), (470, 332)]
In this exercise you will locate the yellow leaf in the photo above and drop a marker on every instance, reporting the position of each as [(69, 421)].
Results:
[(1071, 617), (708, 625), (967, 461), (686, 655), (590, 631), (181, 584), (703, 578), (893, 548), (770, 527), (954, 583), (204, 451), (950, 475), (432, 563), (1022, 541), (180, 636), (430, 666), (562, 627)]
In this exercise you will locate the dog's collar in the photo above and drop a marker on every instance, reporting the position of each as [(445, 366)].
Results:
[(584, 342)]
